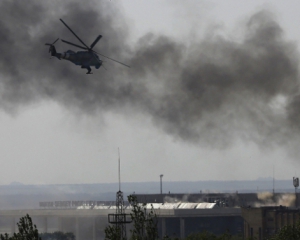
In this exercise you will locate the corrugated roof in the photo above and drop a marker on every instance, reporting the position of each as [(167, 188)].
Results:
[(170, 205), (206, 205), (101, 207), (84, 207), (187, 205), (179, 205), (155, 205)]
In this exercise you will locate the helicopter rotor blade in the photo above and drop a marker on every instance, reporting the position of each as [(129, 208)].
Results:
[(86, 47), (50, 44), (55, 41), (74, 44), (95, 42), (74, 33), (112, 59)]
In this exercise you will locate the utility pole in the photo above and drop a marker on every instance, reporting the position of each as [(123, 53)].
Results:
[(296, 185), (161, 176)]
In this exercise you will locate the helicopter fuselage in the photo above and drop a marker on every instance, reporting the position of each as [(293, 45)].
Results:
[(82, 58)]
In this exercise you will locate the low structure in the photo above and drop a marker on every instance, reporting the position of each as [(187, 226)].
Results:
[(225, 199), (178, 214), (263, 222), (173, 220)]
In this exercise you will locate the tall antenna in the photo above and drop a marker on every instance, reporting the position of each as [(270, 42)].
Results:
[(273, 180), (120, 218), (119, 171)]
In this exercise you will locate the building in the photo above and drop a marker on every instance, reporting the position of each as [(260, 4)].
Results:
[(179, 219), (178, 214), (183, 222), (226, 199), (263, 222)]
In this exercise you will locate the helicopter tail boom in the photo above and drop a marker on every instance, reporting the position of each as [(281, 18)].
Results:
[(54, 53), (52, 49)]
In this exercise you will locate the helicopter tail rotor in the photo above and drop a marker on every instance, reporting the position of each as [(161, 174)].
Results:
[(52, 49)]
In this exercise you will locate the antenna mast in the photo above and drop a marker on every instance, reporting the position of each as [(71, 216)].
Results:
[(119, 171), (120, 218), (273, 180)]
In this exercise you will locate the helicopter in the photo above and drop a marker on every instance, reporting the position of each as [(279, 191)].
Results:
[(85, 59)]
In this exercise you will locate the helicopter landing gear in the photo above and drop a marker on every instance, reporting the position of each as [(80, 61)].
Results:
[(88, 68)]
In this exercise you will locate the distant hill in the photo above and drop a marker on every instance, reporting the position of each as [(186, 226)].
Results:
[(15, 184), (20, 196)]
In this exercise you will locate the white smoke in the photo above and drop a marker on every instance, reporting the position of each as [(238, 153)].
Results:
[(270, 199)]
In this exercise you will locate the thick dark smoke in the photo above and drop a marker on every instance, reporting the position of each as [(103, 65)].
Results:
[(213, 91)]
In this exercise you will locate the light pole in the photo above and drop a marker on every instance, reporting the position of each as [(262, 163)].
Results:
[(161, 176), (296, 185)]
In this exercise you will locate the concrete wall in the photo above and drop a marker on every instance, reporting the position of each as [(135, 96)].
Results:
[(267, 221)]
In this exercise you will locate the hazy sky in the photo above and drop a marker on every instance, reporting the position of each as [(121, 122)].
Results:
[(212, 94)]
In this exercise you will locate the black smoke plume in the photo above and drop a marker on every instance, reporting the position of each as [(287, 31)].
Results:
[(213, 91)]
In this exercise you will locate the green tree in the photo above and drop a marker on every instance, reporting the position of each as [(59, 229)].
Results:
[(288, 232), (27, 230), (144, 223), (112, 232)]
